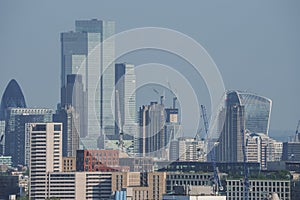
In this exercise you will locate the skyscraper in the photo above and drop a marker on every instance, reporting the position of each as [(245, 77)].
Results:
[(229, 148), (16, 138), (257, 111), (243, 111), (73, 95), (45, 156), (125, 85), (151, 138), (12, 97), (84, 53), (70, 120)]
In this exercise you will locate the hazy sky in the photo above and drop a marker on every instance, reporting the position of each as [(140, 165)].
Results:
[(255, 44)]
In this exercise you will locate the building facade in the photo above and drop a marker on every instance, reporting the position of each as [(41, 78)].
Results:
[(98, 160), (45, 156), (189, 149), (143, 185), (291, 151), (84, 52), (259, 189), (16, 133), (12, 97), (70, 119), (243, 111), (151, 140), (125, 85), (73, 95)]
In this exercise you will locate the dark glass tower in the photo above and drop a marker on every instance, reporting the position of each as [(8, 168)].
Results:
[(12, 97)]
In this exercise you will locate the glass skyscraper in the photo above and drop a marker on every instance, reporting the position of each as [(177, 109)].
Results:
[(125, 84), (12, 97), (257, 111), (16, 136), (82, 52), (242, 111)]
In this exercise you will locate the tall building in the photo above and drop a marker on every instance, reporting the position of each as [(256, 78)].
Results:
[(242, 111), (71, 128), (45, 156), (73, 95), (125, 85), (151, 138), (229, 148), (16, 134), (84, 53), (173, 130), (12, 97), (257, 111)]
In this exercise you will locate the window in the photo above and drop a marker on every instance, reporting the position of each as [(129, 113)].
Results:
[(39, 127), (57, 127)]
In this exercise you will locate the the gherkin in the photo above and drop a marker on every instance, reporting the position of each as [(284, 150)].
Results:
[(12, 97)]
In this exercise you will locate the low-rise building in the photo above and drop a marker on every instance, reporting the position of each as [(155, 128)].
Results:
[(258, 189), (140, 185)]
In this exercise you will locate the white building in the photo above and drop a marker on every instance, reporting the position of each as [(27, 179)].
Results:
[(190, 149), (45, 156)]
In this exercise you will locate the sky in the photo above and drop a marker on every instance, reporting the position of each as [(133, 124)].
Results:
[(255, 44)]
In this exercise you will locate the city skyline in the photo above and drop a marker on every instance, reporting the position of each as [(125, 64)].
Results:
[(239, 65)]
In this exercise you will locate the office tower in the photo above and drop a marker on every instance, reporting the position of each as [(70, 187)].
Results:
[(83, 53), (173, 130), (174, 150), (45, 156), (257, 110), (229, 148), (291, 151), (151, 138), (73, 95), (70, 120), (243, 111), (12, 97), (253, 148), (125, 87), (2, 137), (16, 134)]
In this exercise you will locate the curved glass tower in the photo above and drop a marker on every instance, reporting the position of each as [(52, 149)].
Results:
[(242, 111), (257, 111), (12, 97)]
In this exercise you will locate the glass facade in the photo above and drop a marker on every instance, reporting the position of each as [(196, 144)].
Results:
[(17, 142), (125, 84), (84, 53), (12, 97), (257, 112)]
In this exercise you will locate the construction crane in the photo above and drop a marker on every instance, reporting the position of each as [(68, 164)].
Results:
[(296, 139), (246, 180), (217, 181), (121, 142)]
